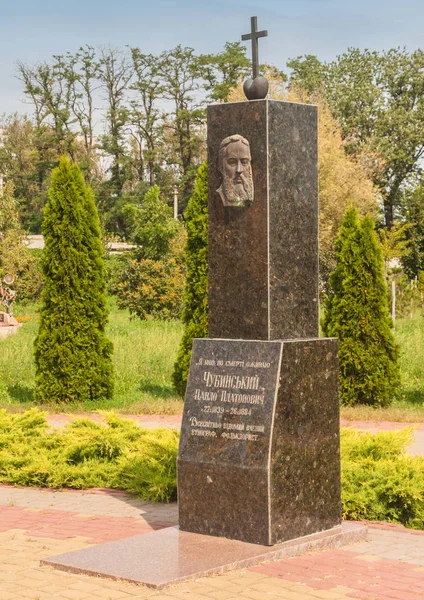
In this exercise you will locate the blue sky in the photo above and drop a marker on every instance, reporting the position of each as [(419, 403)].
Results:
[(34, 30)]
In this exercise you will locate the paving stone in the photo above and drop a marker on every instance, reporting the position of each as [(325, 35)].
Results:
[(222, 594), (393, 558)]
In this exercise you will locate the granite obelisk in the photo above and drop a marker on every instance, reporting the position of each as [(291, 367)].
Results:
[(259, 457)]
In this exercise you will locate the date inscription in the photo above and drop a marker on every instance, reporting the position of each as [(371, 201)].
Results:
[(230, 398)]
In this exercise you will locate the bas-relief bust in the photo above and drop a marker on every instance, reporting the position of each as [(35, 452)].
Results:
[(234, 164)]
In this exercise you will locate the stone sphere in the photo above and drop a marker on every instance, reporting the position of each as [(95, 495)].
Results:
[(256, 89)]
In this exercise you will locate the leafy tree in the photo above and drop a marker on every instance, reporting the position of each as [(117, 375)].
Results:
[(413, 213), (72, 353), (9, 217), (180, 72), (357, 314), (82, 72), (115, 73), (25, 159), (153, 226), (15, 258), (378, 99), (223, 71), (343, 180), (195, 315), (153, 112), (152, 283), (49, 87), (393, 243), (307, 73), (145, 114)]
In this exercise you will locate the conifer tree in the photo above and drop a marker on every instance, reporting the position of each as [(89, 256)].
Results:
[(195, 315), (357, 314), (72, 353)]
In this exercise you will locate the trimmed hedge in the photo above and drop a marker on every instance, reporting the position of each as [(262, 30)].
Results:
[(379, 480), (86, 454)]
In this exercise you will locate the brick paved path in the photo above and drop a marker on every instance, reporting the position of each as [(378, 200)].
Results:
[(35, 524)]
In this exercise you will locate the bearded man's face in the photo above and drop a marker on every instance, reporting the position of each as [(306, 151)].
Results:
[(237, 182)]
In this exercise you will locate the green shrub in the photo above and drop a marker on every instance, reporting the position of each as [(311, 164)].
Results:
[(195, 314), (15, 257), (153, 225), (153, 289), (357, 314), (4, 394), (23, 263), (152, 282), (114, 265), (72, 354), (379, 481), (86, 454), (412, 210), (152, 473), (29, 283)]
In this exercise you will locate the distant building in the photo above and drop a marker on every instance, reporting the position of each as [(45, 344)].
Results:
[(37, 242)]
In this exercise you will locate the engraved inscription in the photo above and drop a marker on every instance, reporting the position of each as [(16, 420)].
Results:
[(229, 399), (229, 403), (234, 164)]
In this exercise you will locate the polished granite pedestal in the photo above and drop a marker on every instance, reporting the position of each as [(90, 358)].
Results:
[(172, 556), (259, 456)]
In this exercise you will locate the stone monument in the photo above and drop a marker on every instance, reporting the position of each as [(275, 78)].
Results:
[(8, 323), (259, 457)]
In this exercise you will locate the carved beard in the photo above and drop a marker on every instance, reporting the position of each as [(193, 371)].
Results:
[(239, 194)]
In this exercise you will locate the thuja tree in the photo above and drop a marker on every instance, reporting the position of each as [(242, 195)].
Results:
[(72, 352), (357, 314), (195, 315)]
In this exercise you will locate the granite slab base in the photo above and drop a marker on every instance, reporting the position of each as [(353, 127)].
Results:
[(8, 330), (171, 556)]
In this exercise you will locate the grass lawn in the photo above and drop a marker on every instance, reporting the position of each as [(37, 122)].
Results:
[(144, 357), (409, 407)]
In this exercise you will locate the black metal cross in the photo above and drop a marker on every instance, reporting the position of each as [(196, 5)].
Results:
[(254, 35)]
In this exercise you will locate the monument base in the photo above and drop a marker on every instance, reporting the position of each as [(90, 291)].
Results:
[(8, 324), (259, 455), (171, 556), (8, 330)]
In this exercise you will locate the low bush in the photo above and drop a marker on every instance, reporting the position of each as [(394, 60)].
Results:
[(379, 480), (152, 289), (114, 265), (86, 454)]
